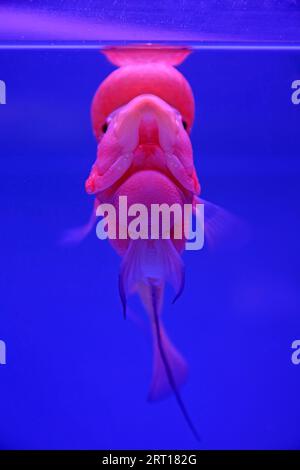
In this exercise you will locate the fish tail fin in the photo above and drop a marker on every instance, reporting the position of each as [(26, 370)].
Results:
[(160, 385), (170, 369), (146, 267), (151, 293)]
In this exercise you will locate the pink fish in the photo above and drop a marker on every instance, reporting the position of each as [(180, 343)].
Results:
[(142, 116)]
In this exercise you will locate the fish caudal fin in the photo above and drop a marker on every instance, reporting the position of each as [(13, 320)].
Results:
[(160, 386), (169, 366), (146, 267), (151, 293)]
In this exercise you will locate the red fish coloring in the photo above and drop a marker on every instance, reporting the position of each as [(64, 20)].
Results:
[(142, 115)]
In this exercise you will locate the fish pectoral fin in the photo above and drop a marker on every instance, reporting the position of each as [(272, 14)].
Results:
[(98, 181), (181, 174), (77, 234), (221, 227)]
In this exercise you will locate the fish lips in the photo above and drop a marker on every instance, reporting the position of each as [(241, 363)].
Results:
[(146, 119)]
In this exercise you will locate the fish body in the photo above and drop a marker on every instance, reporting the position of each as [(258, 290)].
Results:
[(142, 116)]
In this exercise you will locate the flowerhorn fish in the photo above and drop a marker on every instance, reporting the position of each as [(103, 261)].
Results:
[(142, 115)]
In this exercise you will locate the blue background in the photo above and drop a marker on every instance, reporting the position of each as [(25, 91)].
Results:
[(77, 375)]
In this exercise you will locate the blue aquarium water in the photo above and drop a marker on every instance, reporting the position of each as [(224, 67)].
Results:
[(77, 375)]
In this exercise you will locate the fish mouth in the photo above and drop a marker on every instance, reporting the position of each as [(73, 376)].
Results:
[(147, 120), (146, 134)]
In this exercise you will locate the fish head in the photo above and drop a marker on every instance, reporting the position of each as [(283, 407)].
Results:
[(142, 77), (146, 133), (147, 120)]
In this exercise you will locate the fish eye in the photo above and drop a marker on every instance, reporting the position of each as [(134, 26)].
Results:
[(105, 127), (184, 123)]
